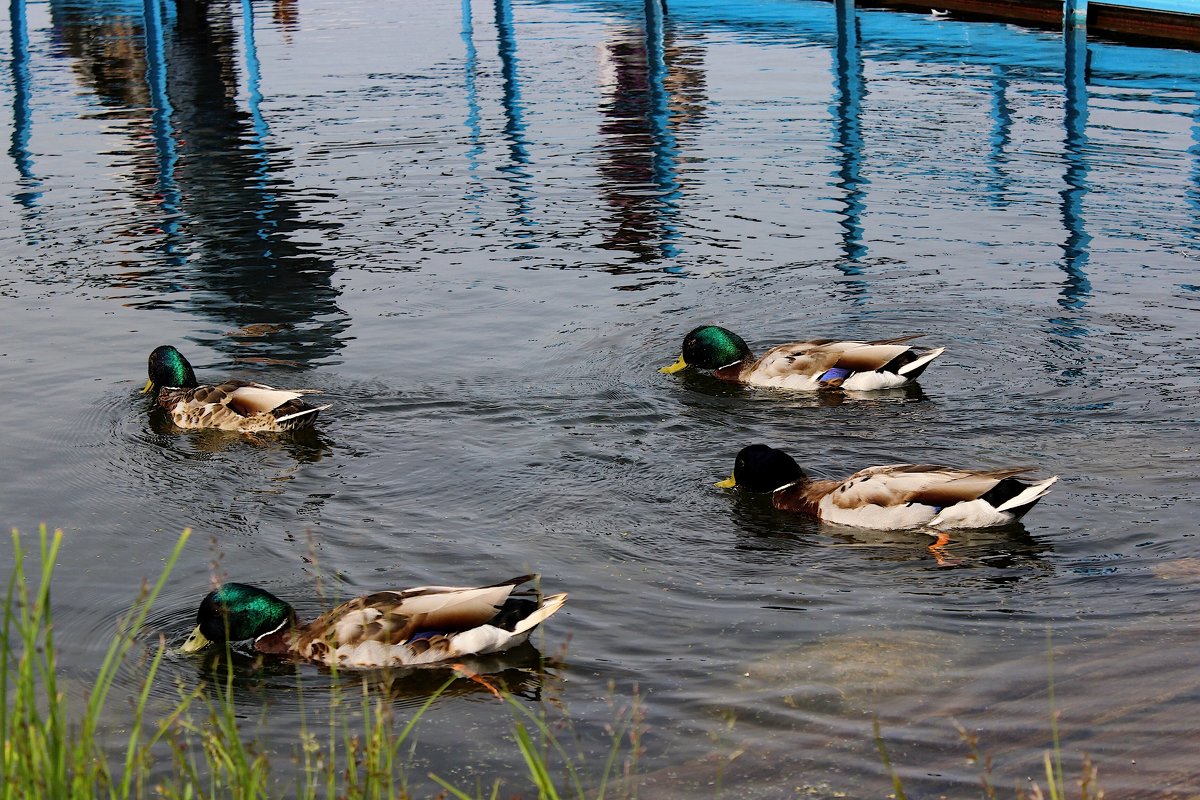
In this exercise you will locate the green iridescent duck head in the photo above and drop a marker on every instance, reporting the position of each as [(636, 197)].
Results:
[(710, 347), (168, 367), (235, 612)]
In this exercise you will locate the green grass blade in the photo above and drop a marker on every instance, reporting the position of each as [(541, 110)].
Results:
[(897, 787)]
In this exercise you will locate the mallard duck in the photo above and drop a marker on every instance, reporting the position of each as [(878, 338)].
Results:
[(894, 496), (229, 405), (385, 629), (816, 364)]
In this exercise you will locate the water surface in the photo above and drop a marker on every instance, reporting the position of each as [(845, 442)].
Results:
[(479, 228)]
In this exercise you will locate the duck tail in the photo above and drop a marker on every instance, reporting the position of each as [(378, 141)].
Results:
[(914, 368), (549, 605), (304, 412), (1022, 502), (517, 581)]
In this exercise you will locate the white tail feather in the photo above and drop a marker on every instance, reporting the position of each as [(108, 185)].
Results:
[(1029, 495), (480, 602), (302, 413), (921, 361), (549, 605)]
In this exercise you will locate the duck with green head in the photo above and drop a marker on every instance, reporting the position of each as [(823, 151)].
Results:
[(808, 366), (230, 405), (406, 627), (894, 496)]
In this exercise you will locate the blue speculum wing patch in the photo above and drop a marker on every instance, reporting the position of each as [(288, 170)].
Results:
[(834, 374)]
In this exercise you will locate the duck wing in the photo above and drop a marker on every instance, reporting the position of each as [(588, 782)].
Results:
[(889, 354), (249, 399), (926, 484), (830, 362), (424, 624), (795, 358)]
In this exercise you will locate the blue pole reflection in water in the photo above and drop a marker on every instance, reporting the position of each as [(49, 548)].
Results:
[(1193, 192), (258, 123), (1000, 137), (663, 140), (1076, 288), (22, 110), (847, 111), (472, 122), (164, 137), (514, 114)]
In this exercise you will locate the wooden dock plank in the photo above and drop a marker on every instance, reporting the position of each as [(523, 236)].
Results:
[(1171, 22)]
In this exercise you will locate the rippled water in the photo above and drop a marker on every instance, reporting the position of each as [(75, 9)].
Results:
[(480, 228)]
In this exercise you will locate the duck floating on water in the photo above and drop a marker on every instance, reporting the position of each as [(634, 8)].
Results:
[(807, 366), (893, 496), (393, 628), (229, 405)]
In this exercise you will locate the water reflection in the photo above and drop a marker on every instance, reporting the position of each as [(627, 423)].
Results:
[(305, 446), (1193, 190), (104, 44), (847, 112), (653, 86), (517, 170), (22, 113), (1076, 288), (164, 137), (472, 121), (522, 672), (239, 220), (768, 535), (1000, 137), (665, 149), (226, 235), (286, 14), (254, 100)]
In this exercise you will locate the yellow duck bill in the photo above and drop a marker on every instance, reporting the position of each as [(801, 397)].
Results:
[(728, 483), (673, 368), (196, 642), (149, 385)]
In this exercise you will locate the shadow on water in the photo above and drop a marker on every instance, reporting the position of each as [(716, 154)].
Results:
[(227, 240), (782, 400), (1009, 553), (306, 445), (522, 671)]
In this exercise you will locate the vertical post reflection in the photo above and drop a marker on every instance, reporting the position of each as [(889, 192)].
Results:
[(258, 123), (22, 112), (474, 129), (1193, 191), (662, 140), (1076, 288), (514, 115), (164, 138), (847, 110), (1000, 137)]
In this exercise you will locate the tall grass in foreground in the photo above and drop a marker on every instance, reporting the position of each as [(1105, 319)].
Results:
[(46, 755), (198, 750)]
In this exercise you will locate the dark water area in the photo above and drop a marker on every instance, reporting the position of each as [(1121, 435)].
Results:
[(480, 228)]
